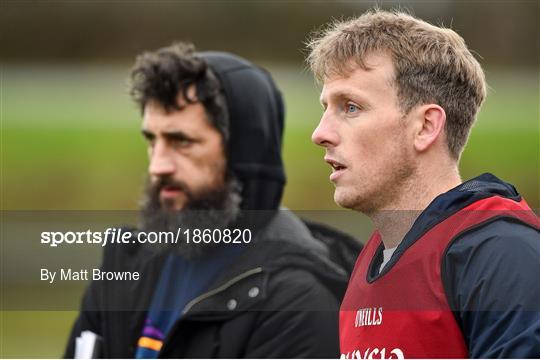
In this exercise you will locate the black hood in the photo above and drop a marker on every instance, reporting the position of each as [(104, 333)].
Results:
[(256, 119)]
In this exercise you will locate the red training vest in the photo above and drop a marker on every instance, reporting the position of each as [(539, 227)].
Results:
[(405, 313)]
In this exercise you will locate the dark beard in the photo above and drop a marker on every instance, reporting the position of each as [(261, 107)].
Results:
[(214, 209)]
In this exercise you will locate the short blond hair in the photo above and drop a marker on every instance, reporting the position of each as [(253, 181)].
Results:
[(431, 64)]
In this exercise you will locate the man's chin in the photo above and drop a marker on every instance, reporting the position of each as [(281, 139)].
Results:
[(168, 206), (172, 204), (343, 199), (352, 201)]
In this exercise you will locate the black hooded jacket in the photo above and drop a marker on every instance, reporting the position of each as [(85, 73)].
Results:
[(256, 119), (299, 270)]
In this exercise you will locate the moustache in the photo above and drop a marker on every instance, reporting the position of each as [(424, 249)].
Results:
[(170, 184)]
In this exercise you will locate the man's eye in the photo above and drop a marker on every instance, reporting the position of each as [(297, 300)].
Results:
[(351, 108), (182, 142)]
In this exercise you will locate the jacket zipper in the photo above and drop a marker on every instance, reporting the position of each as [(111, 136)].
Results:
[(222, 288), (206, 295)]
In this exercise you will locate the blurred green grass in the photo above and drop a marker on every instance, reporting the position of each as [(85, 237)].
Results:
[(70, 140), (35, 334)]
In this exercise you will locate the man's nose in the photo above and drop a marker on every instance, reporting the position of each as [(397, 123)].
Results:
[(326, 133), (161, 160)]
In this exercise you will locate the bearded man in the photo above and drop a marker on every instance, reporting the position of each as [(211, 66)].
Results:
[(214, 124)]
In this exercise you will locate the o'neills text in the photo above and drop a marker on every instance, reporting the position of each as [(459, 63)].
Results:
[(368, 317)]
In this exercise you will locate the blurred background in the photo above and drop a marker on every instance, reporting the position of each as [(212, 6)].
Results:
[(70, 135)]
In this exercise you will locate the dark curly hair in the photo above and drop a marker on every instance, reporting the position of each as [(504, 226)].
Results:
[(163, 74)]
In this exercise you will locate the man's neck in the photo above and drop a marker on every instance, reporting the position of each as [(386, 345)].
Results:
[(397, 218)]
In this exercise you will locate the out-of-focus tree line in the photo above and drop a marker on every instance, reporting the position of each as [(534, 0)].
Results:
[(104, 31)]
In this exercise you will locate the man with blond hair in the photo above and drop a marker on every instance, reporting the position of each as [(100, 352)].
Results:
[(449, 270)]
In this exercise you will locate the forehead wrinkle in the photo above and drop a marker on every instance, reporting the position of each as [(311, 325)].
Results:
[(348, 92), (156, 117)]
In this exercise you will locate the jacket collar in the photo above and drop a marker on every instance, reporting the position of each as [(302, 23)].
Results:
[(285, 243), (441, 208)]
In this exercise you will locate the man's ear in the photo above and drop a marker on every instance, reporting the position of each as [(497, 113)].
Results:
[(431, 120)]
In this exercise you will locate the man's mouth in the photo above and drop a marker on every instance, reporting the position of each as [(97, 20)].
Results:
[(170, 191), (337, 168)]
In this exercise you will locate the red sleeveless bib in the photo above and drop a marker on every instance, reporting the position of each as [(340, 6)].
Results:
[(404, 313)]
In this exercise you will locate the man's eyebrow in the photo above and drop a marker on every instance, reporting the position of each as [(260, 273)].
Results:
[(148, 134), (176, 134), (170, 135), (342, 94)]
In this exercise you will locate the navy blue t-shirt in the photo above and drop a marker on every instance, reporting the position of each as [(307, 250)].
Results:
[(180, 282)]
